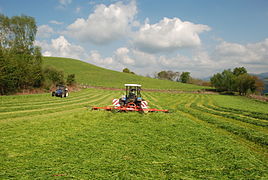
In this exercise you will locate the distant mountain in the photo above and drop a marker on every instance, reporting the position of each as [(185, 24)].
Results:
[(262, 75)]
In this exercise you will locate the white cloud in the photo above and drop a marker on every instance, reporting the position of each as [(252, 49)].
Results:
[(105, 24), (252, 53), (230, 49), (122, 55), (55, 22), (60, 47), (96, 57), (133, 57), (168, 35), (65, 2), (143, 59), (44, 31)]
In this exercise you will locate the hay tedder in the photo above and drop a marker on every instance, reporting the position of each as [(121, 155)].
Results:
[(131, 101)]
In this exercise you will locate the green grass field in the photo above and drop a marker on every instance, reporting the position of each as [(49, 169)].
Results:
[(89, 74), (204, 137)]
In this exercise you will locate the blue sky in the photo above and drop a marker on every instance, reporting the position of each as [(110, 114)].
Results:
[(147, 36)]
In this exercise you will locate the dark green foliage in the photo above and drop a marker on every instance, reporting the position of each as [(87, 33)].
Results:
[(224, 81), (126, 70), (245, 83), (168, 75), (185, 77), (237, 80), (20, 60), (53, 76), (239, 71), (70, 79)]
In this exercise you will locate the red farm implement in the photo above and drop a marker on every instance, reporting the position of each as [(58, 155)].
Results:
[(132, 101)]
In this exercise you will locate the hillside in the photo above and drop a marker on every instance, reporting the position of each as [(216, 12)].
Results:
[(89, 74)]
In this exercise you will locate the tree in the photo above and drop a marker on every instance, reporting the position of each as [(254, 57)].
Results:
[(70, 79), (185, 77), (237, 80), (224, 81), (239, 71), (245, 83), (168, 75), (126, 70), (259, 84), (53, 76), (21, 61)]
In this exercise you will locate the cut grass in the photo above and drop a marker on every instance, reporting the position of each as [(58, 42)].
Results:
[(63, 137)]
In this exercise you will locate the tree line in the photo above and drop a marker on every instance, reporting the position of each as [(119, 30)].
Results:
[(21, 65), (237, 80), (184, 77)]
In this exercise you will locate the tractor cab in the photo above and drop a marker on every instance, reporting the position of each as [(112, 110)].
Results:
[(133, 93)]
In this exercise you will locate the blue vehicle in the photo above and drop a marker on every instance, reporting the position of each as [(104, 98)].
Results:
[(62, 91)]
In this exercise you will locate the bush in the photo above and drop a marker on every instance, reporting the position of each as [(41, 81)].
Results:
[(71, 80), (52, 76)]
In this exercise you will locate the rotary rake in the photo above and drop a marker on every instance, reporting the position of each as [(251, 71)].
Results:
[(132, 101)]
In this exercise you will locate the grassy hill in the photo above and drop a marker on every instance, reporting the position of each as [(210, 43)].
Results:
[(89, 74)]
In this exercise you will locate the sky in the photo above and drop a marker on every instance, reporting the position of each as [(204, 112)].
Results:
[(147, 36)]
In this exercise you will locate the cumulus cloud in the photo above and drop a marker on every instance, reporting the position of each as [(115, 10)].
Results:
[(122, 56), (252, 53), (168, 35), (96, 57), (44, 31), (105, 24), (55, 22), (60, 47), (133, 57)]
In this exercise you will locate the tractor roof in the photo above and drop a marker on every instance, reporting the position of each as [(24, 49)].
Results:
[(132, 85)]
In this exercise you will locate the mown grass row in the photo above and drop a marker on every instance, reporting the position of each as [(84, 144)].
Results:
[(235, 115), (65, 104), (196, 105), (32, 100), (257, 115), (227, 123)]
